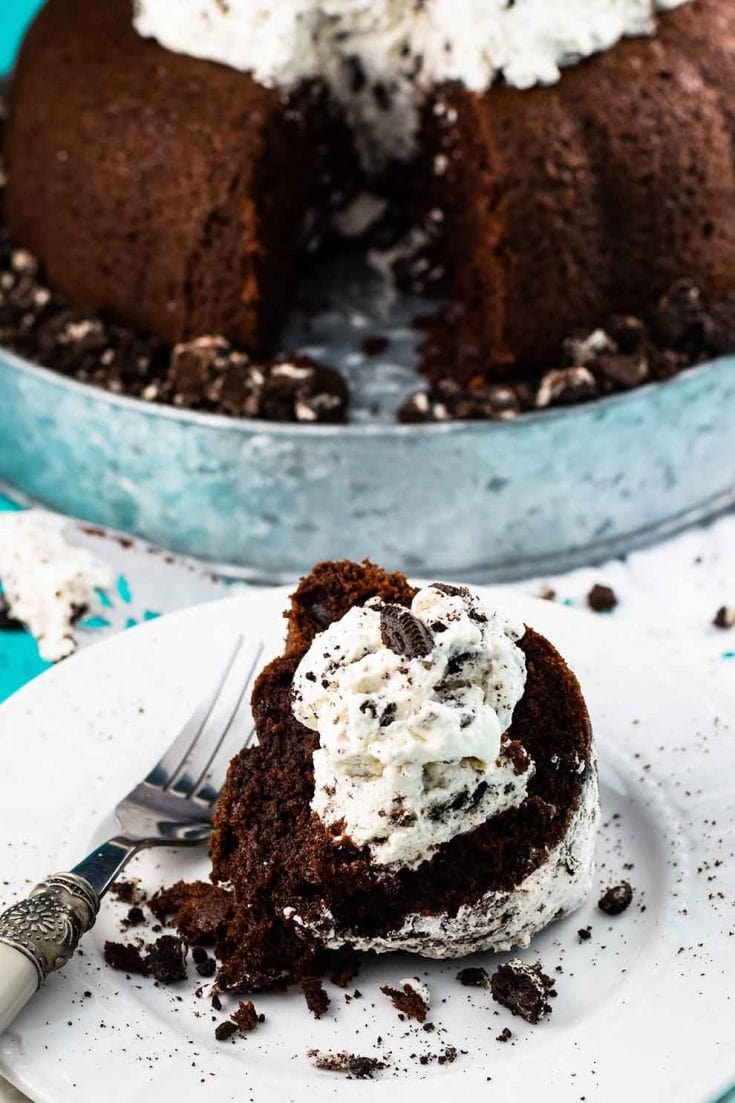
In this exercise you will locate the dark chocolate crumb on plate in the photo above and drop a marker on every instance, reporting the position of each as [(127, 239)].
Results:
[(473, 977), (125, 957), (505, 1035), (165, 960), (602, 599), (316, 998), (724, 617), (134, 918), (408, 1000), (224, 1030), (523, 989), (616, 899), (404, 633), (361, 1068), (584, 934)]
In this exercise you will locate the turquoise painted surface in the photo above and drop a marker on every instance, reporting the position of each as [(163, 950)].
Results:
[(19, 658), (15, 16)]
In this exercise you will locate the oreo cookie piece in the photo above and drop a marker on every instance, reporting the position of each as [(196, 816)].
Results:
[(404, 633)]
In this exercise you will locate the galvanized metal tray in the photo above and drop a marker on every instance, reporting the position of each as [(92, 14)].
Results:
[(480, 501)]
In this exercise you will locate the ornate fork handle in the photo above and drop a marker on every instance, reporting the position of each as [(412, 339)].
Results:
[(40, 934)]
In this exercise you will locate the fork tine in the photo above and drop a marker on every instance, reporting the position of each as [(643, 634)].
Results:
[(167, 767), (231, 702)]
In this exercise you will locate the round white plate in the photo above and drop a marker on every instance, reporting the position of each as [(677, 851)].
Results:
[(644, 1007)]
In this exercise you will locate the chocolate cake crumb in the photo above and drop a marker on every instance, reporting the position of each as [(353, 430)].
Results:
[(724, 617), (361, 1068), (584, 934), (246, 1018), (616, 899), (602, 599), (224, 1030), (199, 911), (316, 998), (505, 1035), (473, 977), (523, 989), (125, 957), (206, 968), (404, 633), (408, 1000), (134, 918), (166, 959), (128, 892)]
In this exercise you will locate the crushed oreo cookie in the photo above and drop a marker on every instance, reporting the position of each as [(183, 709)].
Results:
[(523, 989), (473, 977), (361, 1068), (447, 400), (616, 899), (404, 633)]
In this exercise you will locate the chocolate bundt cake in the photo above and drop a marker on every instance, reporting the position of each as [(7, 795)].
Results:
[(424, 780), (569, 161)]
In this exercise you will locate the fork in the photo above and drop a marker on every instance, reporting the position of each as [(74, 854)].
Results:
[(173, 806)]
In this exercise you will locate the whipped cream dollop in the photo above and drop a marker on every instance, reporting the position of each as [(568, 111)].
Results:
[(380, 56), (412, 708), (46, 581)]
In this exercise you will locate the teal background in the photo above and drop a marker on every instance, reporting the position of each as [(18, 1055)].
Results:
[(14, 18)]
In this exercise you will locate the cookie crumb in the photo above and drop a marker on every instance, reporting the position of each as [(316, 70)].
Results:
[(602, 599), (616, 899), (724, 617), (361, 1068), (412, 999), (523, 989)]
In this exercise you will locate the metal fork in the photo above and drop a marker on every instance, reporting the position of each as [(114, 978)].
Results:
[(173, 806)]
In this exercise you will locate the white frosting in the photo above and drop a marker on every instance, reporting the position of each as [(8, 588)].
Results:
[(498, 921), (410, 750), (401, 47), (46, 581)]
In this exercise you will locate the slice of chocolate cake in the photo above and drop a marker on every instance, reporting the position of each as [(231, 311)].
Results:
[(424, 780)]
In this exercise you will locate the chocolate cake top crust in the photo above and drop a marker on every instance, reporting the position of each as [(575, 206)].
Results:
[(280, 860)]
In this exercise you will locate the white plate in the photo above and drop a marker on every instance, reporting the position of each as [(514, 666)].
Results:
[(644, 1007)]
